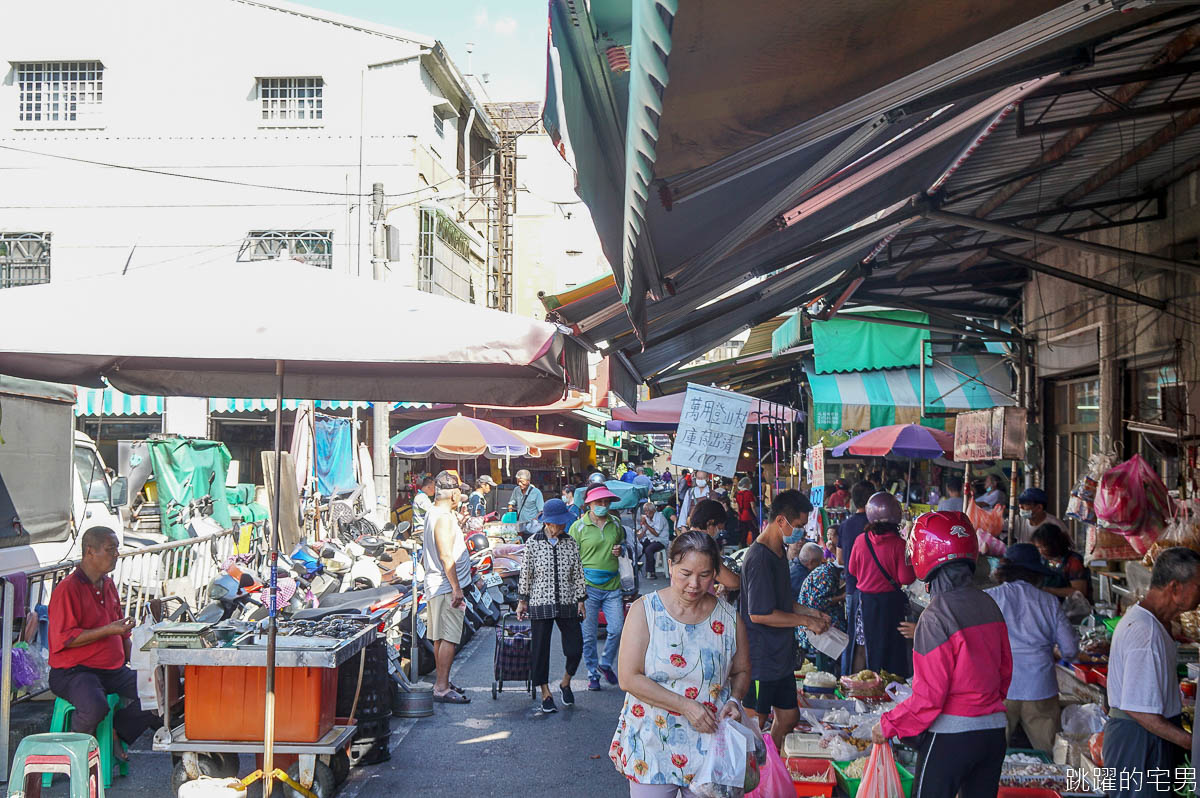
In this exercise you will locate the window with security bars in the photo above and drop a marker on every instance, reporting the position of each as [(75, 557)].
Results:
[(443, 257), (307, 246), (291, 101), (24, 259), (59, 93)]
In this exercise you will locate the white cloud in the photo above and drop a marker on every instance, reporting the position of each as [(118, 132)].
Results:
[(505, 26), (481, 18)]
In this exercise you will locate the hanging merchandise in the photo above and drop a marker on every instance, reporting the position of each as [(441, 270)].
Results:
[(334, 439), (1132, 501), (1182, 530)]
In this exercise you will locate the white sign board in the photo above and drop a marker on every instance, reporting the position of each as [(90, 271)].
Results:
[(710, 431)]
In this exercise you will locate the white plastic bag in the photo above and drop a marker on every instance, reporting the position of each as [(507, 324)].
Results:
[(1083, 720), (842, 751), (831, 642), (722, 774), (145, 663), (625, 568)]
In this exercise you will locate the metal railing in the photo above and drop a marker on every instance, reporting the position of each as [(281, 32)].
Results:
[(182, 568)]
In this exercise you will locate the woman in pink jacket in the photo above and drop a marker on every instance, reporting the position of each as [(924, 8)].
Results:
[(962, 666)]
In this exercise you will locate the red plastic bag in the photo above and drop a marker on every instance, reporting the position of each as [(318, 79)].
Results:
[(1132, 501), (774, 781), (880, 777)]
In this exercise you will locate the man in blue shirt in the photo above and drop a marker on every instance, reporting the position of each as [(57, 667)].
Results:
[(526, 500), (477, 501)]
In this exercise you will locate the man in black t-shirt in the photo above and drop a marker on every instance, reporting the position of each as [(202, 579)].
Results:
[(771, 615)]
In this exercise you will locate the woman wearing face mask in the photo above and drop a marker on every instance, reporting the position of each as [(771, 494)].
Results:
[(553, 591), (600, 536), (709, 517), (684, 665), (880, 571)]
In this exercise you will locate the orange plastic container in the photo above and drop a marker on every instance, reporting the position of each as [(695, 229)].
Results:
[(227, 703)]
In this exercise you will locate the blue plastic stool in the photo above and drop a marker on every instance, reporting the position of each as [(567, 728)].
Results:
[(42, 755), (60, 722)]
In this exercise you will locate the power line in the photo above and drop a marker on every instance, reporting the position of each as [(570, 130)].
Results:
[(244, 184)]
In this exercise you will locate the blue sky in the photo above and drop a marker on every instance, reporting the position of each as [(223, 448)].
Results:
[(509, 35)]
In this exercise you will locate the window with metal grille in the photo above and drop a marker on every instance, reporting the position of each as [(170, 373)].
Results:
[(290, 102), (439, 125), (307, 246), (443, 257), (24, 259), (59, 93)]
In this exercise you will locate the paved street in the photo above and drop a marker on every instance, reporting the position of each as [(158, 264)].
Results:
[(487, 748)]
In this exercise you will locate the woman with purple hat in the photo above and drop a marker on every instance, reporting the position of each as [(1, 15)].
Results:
[(599, 536), (552, 593)]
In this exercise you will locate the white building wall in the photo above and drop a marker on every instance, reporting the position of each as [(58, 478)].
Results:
[(555, 246), (180, 96)]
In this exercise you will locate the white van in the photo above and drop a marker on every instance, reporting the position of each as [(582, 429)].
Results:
[(53, 482)]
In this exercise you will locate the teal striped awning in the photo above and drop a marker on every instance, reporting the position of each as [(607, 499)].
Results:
[(788, 334), (111, 402), (864, 400)]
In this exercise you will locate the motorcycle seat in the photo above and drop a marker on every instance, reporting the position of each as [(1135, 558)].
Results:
[(362, 598)]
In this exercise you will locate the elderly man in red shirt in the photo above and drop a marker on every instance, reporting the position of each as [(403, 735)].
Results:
[(89, 643)]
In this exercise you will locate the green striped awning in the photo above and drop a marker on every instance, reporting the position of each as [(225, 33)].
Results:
[(111, 402), (867, 399)]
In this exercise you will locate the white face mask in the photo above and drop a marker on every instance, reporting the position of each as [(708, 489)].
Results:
[(1026, 513), (700, 483)]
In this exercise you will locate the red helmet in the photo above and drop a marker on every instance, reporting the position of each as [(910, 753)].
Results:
[(939, 537)]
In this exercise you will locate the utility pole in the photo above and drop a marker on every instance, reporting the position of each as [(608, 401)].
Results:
[(380, 410)]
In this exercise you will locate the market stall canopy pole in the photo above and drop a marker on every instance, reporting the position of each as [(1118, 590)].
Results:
[(403, 340)]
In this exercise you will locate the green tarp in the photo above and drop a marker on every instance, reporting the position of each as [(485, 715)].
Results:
[(847, 343), (187, 469)]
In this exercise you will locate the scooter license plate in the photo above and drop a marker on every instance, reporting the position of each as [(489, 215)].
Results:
[(492, 580)]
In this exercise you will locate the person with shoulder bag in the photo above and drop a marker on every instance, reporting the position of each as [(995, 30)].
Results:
[(880, 570)]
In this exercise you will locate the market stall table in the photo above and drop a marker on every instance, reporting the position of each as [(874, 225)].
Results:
[(230, 719)]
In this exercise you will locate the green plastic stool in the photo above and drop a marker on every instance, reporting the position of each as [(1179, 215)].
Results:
[(43, 755), (60, 722)]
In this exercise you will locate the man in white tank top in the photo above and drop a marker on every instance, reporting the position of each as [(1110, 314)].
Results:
[(447, 569)]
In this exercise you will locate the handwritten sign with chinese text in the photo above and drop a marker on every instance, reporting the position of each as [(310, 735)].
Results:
[(710, 431)]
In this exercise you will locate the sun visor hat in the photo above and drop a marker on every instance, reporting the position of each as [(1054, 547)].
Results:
[(597, 493)]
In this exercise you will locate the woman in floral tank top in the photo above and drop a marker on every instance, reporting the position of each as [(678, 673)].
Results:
[(684, 665)]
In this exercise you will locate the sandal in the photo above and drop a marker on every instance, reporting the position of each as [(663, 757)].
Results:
[(451, 697)]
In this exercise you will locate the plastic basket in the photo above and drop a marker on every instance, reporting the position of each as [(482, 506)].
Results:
[(851, 785), (812, 767)]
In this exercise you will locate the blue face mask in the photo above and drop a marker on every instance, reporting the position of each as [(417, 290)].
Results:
[(796, 536), (600, 510)]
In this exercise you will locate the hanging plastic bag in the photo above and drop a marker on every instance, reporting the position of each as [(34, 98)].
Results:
[(990, 521), (1132, 501), (29, 669), (722, 774), (774, 781), (880, 777), (1077, 607), (1083, 720), (145, 663), (625, 568)]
